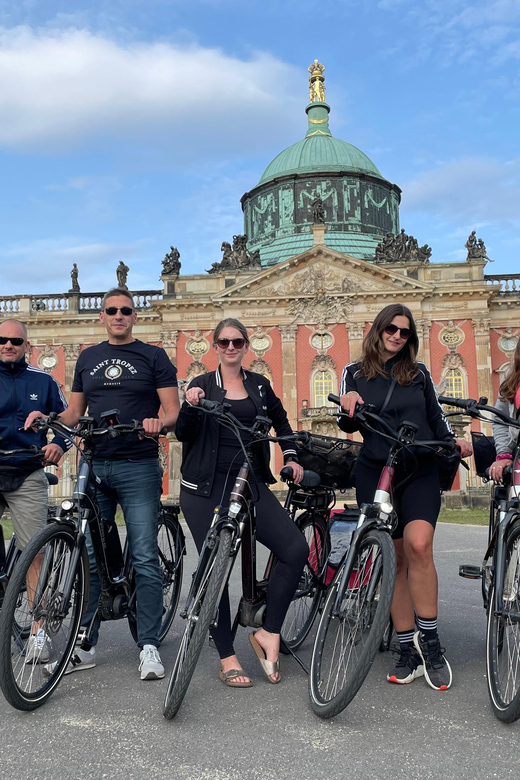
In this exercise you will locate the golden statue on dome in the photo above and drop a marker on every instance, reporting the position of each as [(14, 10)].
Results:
[(316, 82)]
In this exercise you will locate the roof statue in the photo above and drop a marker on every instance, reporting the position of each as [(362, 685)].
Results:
[(318, 212), (476, 248), (122, 275), (402, 249), (74, 279), (316, 83), (171, 263), (237, 258)]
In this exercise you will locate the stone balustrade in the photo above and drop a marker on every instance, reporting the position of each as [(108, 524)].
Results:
[(30, 305), (509, 282)]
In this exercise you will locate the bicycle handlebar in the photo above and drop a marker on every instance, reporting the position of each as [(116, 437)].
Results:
[(87, 428), (472, 407), (364, 411)]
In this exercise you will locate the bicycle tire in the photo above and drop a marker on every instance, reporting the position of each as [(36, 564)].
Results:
[(503, 637), (347, 643), (198, 621), (171, 559), (27, 685), (306, 601)]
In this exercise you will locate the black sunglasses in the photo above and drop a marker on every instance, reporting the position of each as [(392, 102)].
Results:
[(237, 343), (126, 311), (16, 342), (392, 329)]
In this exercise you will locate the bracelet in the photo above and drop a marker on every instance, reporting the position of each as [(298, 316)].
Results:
[(504, 456)]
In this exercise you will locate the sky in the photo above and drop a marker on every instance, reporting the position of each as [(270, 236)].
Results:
[(127, 126)]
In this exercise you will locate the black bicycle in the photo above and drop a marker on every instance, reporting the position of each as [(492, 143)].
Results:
[(56, 598), (232, 529), (356, 613), (500, 571)]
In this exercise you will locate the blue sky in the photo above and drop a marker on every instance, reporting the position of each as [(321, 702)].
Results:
[(127, 126)]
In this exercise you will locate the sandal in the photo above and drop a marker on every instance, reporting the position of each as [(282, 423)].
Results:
[(268, 667), (228, 678)]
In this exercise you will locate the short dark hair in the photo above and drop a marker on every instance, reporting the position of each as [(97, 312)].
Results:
[(230, 322), (117, 291)]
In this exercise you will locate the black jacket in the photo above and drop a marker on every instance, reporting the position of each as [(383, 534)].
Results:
[(199, 432), (416, 402)]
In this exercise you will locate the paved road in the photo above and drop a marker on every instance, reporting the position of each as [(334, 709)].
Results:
[(107, 723)]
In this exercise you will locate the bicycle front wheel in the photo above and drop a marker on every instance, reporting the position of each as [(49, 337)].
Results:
[(32, 662), (170, 542), (304, 606), (200, 613), (347, 639), (503, 637)]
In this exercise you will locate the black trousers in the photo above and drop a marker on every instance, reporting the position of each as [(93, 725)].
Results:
[(275, 530)]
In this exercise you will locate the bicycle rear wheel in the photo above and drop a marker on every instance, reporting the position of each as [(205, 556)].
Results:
[(32, 663), (170, 541), (346, 642), (200, 613), (503, 637), (304, 606)]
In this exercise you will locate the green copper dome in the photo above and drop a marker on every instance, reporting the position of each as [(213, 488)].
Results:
[(358, 204), (319, 152)]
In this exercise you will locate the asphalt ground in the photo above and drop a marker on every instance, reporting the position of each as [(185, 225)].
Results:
[(107, 723)]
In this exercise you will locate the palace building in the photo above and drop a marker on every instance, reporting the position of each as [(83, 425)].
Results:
[(322, 252)]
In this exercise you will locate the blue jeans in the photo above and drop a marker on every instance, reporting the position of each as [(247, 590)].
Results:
[(138, 485)]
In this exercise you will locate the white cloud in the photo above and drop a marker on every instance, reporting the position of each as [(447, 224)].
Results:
[(480, 189), (47, 263), (63, 88)]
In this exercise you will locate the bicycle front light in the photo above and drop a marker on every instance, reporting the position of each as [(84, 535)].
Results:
[(386, 507), (67, 505)]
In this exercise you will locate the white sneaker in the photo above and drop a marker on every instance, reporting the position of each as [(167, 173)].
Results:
[(80, 659), (150, 667), (37, 651)]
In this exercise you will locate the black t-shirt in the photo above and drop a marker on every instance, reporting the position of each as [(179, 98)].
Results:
[(230, 453), (124, 377)]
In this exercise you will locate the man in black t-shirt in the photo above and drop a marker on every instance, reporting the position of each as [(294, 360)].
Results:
[(137, 379)]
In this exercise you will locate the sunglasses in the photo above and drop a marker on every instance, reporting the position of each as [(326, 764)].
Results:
[(16, 342), (237, 343), (126, 311), (405, 333)]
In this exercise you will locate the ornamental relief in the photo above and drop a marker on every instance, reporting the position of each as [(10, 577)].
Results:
[(323, 363), (453, 360), (261, 367), (319, 279), (322, 309)]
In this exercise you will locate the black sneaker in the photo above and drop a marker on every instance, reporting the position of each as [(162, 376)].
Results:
[(408, 667), (437, 670)]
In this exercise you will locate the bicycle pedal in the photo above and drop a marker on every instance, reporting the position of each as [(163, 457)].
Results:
[(470, 572)]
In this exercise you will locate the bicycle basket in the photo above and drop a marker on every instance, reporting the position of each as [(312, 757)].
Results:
[(333, 459), (484, 452), (447, 466)]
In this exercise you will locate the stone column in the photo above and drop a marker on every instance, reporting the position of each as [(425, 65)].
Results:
[(169, 342), (483, 354), (355, 339), (423, 331), (290, 395), (71, 352)]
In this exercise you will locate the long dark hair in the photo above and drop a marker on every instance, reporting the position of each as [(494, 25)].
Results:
[(510, 384), (230, 322), (405, 365)]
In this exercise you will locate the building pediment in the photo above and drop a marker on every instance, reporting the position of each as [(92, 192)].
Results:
[(321, 271)]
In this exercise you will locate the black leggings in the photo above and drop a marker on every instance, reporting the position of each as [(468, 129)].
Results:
[(275, 530)]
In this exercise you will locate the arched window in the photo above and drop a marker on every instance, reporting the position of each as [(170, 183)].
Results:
[(454, 383), (322, 385)]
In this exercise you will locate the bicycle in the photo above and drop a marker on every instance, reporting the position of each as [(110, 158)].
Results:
[(60, 597), (500, 573), (356, 613), (233, 528)]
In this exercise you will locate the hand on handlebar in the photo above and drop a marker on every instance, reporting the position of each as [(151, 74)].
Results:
[(496, 470), (152, 426), (194, 395), (349, 401), (53, 454), (297, 471), (29, 423), (465, 448)]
